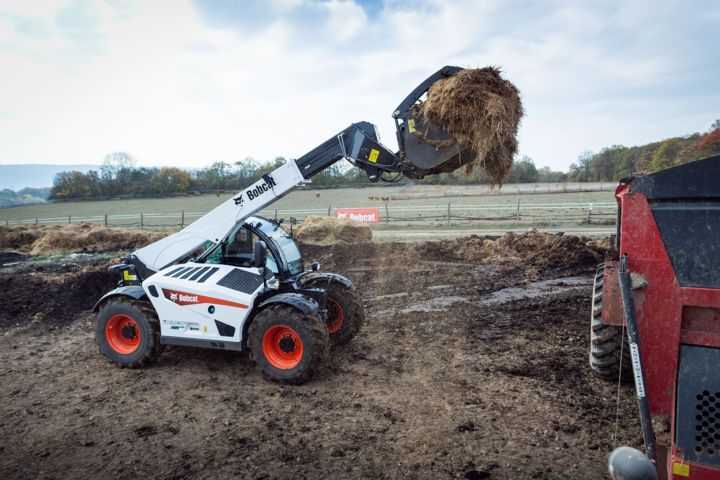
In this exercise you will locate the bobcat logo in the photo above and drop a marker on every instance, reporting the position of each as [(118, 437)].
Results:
[(173, 297)]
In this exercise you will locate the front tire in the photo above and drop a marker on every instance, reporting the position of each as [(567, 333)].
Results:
[(609, 349), (288, 345), (127, 333)]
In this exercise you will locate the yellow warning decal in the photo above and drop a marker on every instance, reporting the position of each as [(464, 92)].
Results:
[(374, 154), (682, 469), (128, 277), (205, 329), (411, 125)]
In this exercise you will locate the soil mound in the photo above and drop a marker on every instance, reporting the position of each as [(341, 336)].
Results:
[(329, 230), (533, 253), (536, 251), (482, 111), (53, 294), (81, 237)]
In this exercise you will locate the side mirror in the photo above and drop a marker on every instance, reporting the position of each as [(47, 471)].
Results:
[(260, 254)]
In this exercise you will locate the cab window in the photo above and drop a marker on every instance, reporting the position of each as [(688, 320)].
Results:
[(239, 250)]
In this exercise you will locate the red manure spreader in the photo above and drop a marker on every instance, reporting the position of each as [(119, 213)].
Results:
[(656, 319)]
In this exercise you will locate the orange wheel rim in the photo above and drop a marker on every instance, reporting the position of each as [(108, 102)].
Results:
[(335, 315), (122, 334), (282, 347)]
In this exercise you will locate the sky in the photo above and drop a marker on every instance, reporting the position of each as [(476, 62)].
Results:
[(188, 83)]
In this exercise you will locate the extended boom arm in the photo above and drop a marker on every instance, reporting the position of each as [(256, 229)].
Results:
[(359, 144)]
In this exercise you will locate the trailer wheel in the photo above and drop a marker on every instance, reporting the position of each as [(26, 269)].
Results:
[(345, 314), (607, 341), (127, 332), (288, 345)]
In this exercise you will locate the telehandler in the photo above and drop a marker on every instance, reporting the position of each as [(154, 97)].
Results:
[(234, 281)]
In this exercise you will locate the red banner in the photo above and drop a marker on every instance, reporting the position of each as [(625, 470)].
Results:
[(367, 215)]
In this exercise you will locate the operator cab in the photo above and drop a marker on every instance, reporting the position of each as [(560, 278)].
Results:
[(238, 249)]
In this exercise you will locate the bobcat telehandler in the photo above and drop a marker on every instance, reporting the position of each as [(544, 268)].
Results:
[(232, 280)]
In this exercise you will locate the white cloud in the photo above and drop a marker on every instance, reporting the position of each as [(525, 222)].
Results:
[(161, 81), (345, 19)]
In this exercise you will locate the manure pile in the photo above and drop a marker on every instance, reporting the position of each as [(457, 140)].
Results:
[(481, 111), (80, 237), (330, 230)]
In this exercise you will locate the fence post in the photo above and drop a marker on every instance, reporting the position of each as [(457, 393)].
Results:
[(329, 208), (448, 213), (7, 223), (69, 220), (106, 219), (182, 219), (142, 227), (589, 212), (36, 221), (387, 214), (276, 214), (517, 213)]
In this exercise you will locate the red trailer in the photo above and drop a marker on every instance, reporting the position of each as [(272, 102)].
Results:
[(668, 248)]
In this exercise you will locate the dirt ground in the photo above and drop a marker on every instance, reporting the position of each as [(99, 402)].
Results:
[(473, 364)]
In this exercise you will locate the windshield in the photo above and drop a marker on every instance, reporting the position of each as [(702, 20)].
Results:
[(285, 244)]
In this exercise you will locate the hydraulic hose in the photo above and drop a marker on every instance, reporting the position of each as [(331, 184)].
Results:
[(634, 345)]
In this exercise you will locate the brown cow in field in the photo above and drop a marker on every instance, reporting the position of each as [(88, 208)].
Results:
[(317, 195), (385, 199)]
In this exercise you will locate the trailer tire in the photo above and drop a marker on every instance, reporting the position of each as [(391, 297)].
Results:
[(288, 345), (609, 349), (127, 332)]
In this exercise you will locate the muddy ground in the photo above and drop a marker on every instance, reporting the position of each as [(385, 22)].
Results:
[(471, 366)]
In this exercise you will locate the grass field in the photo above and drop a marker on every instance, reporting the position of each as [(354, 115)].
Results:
[(416, 218)]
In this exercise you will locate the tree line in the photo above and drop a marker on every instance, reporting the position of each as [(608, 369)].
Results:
[(522, 171), (617, 162), (119, 176)]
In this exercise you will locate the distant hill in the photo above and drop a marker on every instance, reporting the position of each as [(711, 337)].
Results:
[(618, 161), (17, 177), (26, 196)]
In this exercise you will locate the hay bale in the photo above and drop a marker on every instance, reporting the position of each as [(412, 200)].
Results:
[(330, 230), (482, 111)]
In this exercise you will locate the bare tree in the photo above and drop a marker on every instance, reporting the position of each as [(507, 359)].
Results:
[(115, 162), (116, 171)]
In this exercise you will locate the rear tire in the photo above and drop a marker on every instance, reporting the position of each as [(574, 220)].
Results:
[(345, 314), (607, 341), (288, 345), (127, 332)]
